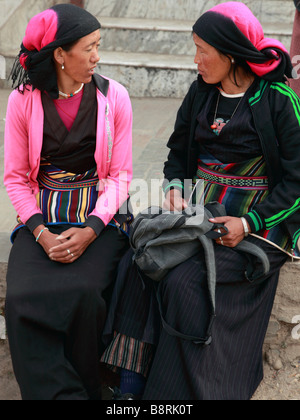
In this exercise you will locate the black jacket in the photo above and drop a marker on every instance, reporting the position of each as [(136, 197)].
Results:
[(276, 113)]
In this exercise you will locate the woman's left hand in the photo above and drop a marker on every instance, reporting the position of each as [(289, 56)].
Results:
[(78, 240), (235, 228)]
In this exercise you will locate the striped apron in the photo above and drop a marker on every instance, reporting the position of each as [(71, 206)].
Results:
[(239, 187), (67, 198)]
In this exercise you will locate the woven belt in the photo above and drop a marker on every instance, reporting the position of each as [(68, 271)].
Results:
[(251, 183), (51, 184)]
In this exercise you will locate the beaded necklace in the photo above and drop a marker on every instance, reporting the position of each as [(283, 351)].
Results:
[(65, 95)]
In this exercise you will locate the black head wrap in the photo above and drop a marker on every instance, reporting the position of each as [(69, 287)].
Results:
[(233, 29), (56, 27)]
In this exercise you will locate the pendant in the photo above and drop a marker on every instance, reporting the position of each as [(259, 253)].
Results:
[(214, 126)]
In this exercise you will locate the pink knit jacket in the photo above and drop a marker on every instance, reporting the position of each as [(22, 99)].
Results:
[(23, 145)]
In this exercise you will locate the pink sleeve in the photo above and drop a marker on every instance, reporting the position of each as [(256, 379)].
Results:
[(16, 160)]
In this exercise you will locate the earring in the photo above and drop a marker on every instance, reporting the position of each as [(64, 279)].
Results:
[(63, 67), (232, 61)]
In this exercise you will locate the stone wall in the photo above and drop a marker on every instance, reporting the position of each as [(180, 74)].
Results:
[(146, 45), (15, 15), (282, 343), (266, 10), (14, 20)]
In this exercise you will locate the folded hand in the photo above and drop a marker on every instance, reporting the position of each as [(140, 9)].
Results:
[(71, 244)]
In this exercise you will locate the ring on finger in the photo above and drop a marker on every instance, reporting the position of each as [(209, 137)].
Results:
[(69, 252), (221, 241)]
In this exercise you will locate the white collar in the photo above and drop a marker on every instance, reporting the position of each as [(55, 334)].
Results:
[(232, 96)]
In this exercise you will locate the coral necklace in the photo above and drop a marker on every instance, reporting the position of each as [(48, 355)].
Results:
[(65, 95)]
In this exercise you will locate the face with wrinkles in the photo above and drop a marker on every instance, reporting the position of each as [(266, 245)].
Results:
[(80, 61), (213, 66)]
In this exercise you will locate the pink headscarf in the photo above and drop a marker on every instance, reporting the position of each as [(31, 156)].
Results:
[(40, 32), (233, 29), (56, 27)]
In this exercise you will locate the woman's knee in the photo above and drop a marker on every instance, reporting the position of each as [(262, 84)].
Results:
[(190, 275)]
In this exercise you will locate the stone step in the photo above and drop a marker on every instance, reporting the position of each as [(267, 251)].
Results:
[(165, 36), (143, 75), (159, 61), (167, 74), (147, 36), (150, 75), (154, 57), (265, 10), (281, 31)]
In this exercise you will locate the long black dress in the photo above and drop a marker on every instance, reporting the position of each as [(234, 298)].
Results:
[(231, 368), (55, 312)]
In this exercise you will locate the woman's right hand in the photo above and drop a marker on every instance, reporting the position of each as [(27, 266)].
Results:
[(174, 201), (47, 239)]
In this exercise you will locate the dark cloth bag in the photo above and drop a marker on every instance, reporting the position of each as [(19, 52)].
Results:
[(161, 240)]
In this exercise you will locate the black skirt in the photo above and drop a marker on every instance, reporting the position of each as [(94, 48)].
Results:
[(231, 368), (55, 315)]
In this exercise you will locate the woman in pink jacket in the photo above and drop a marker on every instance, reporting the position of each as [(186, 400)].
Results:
[(68, 167)]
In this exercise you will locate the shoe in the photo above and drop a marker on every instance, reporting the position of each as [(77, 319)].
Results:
[(118, 396)]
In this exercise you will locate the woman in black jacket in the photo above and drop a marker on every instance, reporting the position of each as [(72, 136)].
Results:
[(238, 131)]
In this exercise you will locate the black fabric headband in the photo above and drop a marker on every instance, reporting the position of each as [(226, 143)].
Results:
[(56, 27), (266, 57)]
